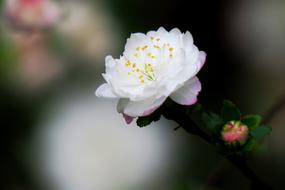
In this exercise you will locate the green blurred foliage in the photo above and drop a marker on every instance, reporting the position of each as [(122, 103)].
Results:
[(230, 112), (8, 55)]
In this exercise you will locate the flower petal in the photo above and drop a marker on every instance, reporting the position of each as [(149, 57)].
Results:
[(149, 71), (187, 94), (110, 64), (161, 31), (188, 39), (139, 108), (175, 31), (128, 118), (135, 40), (201, 60), (105, 90), (151, 110)]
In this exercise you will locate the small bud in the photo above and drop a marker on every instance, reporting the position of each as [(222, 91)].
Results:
[(235, 132)]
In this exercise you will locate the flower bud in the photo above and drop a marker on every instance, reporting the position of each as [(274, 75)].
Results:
[(235, 132)]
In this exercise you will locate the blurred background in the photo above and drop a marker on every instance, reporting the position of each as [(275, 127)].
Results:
[(56, 135)]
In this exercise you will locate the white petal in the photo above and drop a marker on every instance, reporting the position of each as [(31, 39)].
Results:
[(201, 60), (107, 77), (139, 108), (187, 71), (161, 31), (110, 63), (133, 42), (187, 94), (187, 39), (175, 31), (105, 90)]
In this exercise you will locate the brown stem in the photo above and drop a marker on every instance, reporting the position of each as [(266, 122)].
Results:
[(237, 160), (222, 171), (178, 115)]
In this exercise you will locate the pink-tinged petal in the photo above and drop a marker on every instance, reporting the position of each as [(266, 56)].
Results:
[(128, 118), (105, 90), (151, 110), (201, 60), (139, 108), (187, 94)]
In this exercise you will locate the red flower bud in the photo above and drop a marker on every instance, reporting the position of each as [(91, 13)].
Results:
[(233, 132)]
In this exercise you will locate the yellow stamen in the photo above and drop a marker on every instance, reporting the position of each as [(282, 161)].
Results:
[(127, 63), (156, 47), (144, 47)]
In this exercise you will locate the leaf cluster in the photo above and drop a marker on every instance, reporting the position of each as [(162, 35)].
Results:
[(196, 121), (230, 112)]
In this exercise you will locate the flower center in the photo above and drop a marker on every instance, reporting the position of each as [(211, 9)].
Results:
[(146, 58)]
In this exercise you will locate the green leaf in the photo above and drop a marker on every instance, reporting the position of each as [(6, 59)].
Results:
[(252, 121), (193, 109), (261, 132), (230, 111), (250, 145), (212, 121), (144, 121)]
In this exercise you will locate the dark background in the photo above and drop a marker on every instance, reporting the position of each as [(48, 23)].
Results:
[(236, 69)]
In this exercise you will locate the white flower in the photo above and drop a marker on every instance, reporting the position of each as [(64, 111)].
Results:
[(153, 67)]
